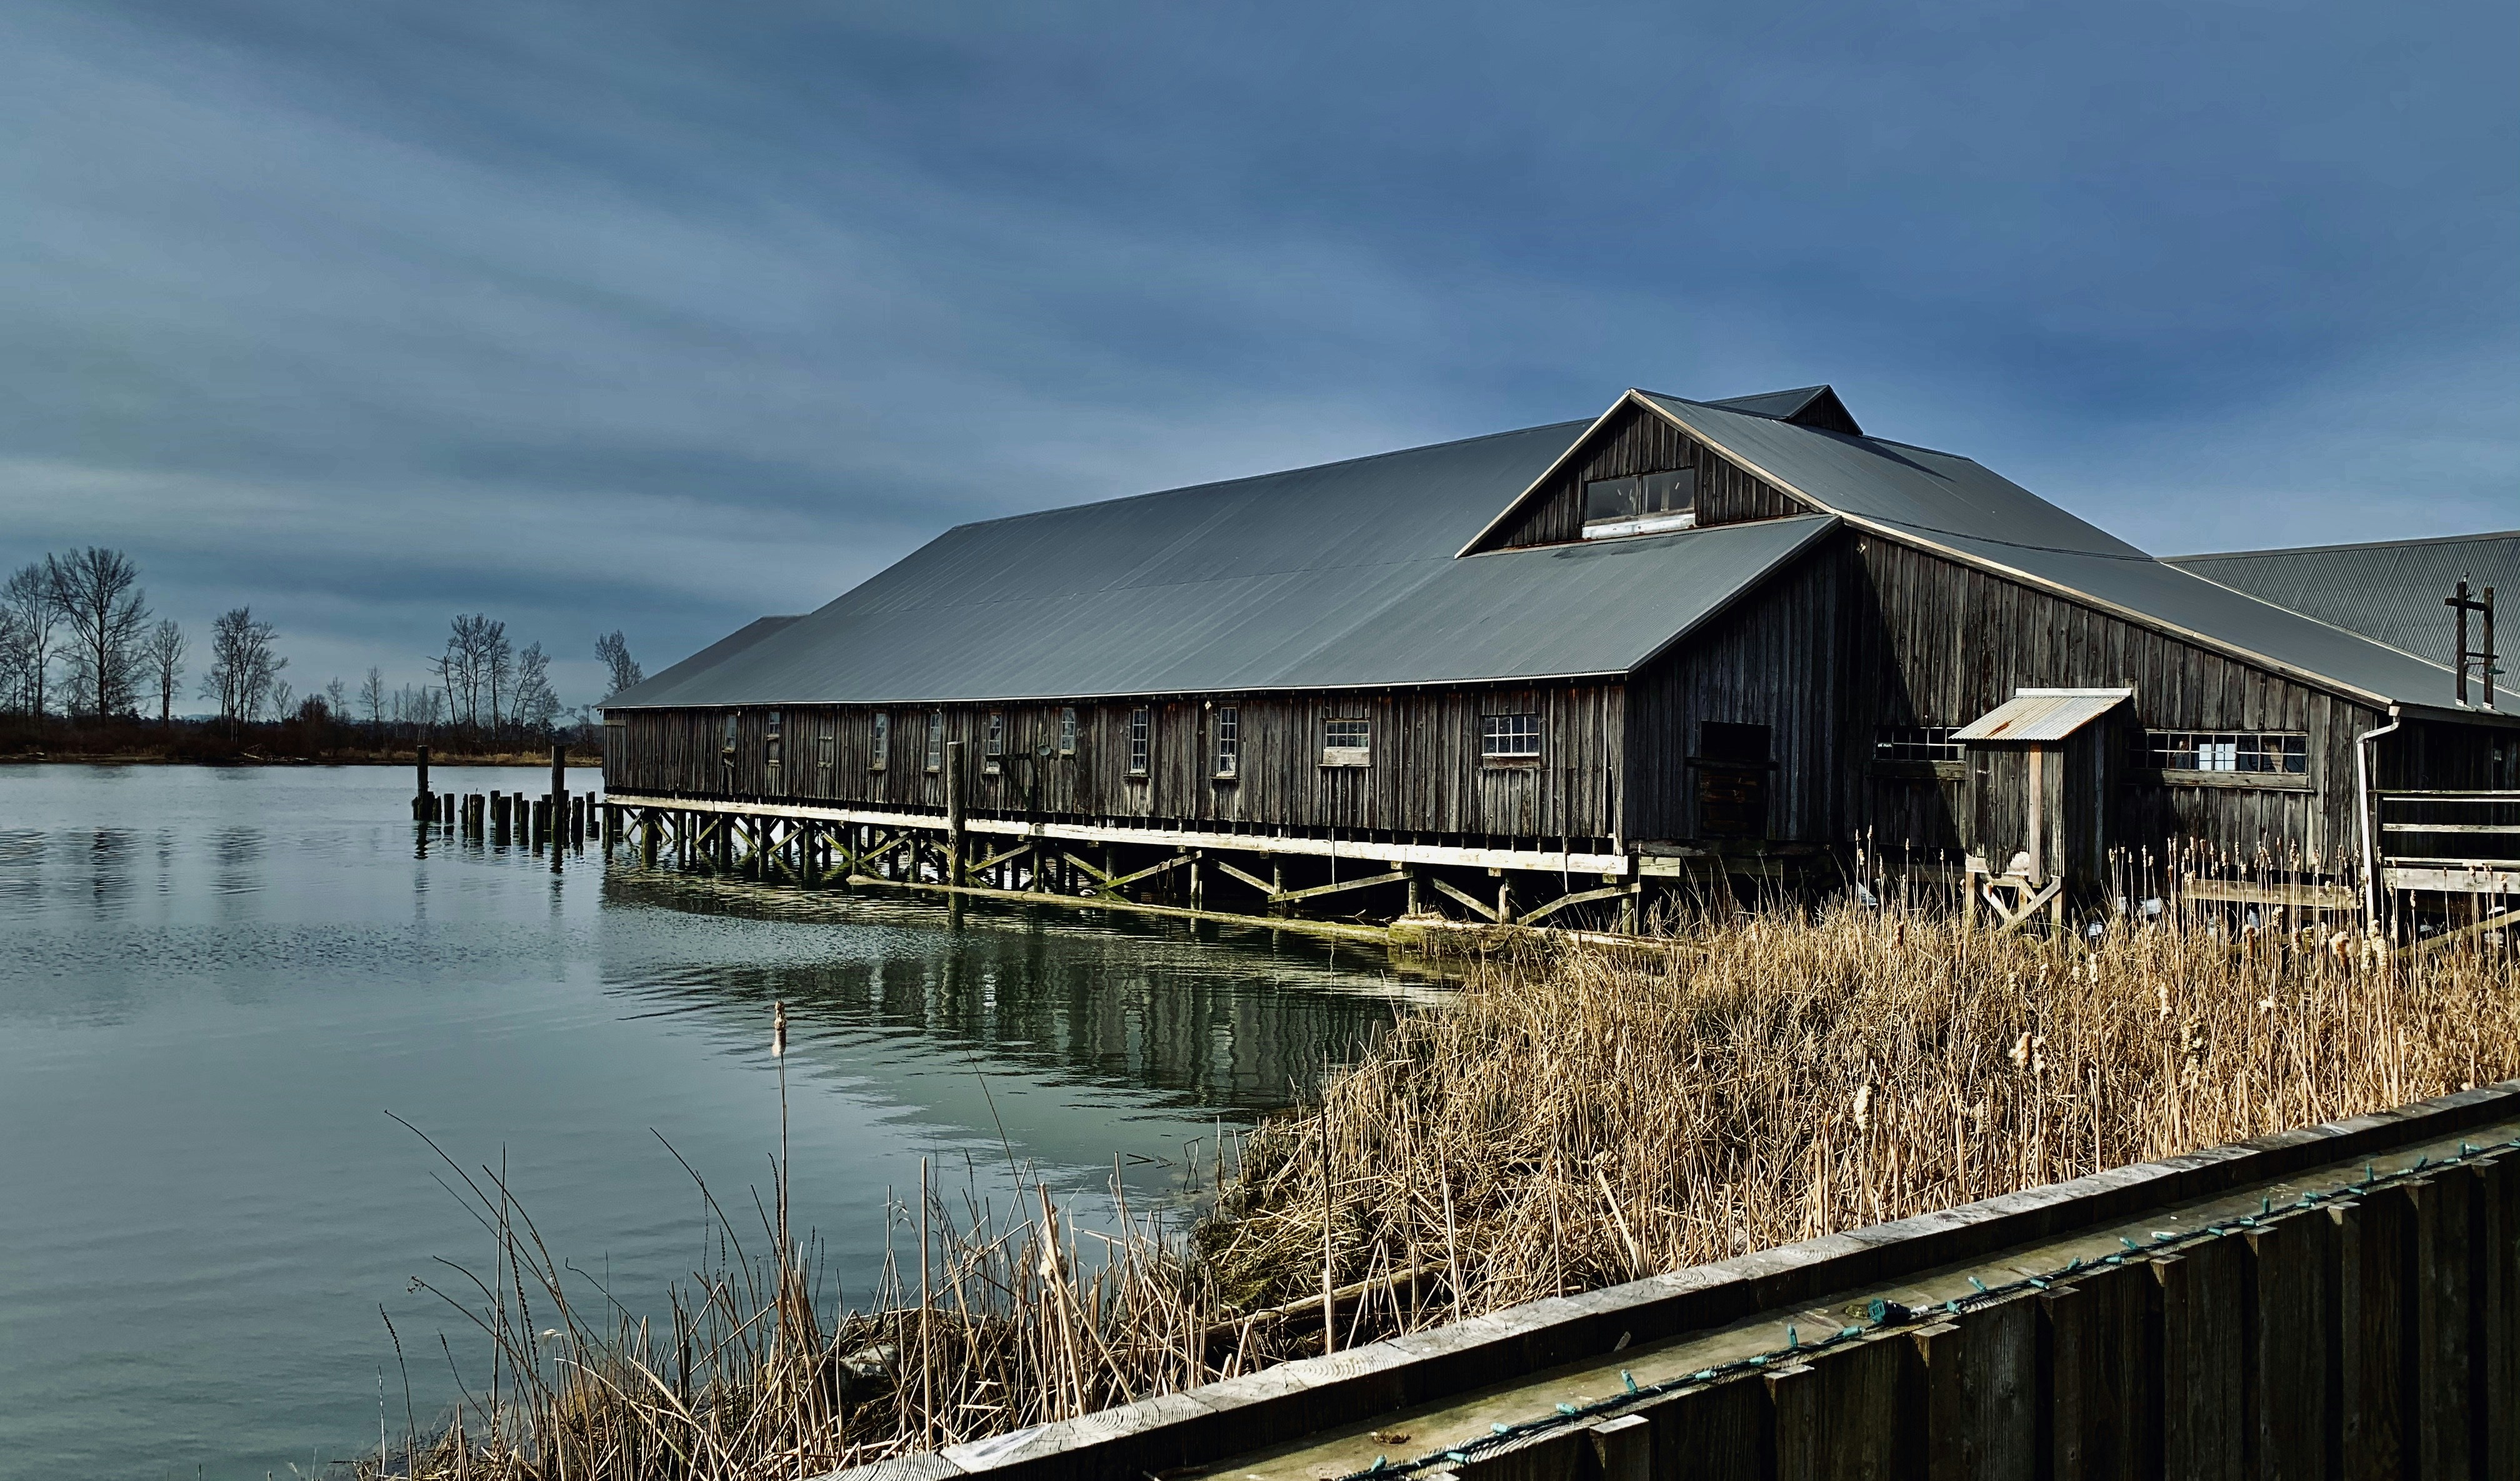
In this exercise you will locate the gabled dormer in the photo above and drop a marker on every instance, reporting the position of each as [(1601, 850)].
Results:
[(1641, 471)]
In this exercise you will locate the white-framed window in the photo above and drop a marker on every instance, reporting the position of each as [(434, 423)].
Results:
[(1141, 736), (936, 741), (1917, 742), (1510, 738), (2179, 750), (880, 743), (1646, 504), (1229, 743), (1347, 741), (993, 746), (1068, 731)]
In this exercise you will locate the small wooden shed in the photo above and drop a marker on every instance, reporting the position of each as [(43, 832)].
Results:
[(2037, 783)]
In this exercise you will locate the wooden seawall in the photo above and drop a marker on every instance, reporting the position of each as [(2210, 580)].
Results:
[(2340, 1301)]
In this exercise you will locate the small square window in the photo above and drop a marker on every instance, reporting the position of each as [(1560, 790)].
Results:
[(1510, 738), (1347, 742), (1068, 731), (993, 746), (1141, 741)]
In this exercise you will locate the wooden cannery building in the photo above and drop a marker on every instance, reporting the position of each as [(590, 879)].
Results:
[(1525, 675)]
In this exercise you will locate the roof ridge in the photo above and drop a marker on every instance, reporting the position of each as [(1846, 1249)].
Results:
[(2349, 545), (1278, 472)]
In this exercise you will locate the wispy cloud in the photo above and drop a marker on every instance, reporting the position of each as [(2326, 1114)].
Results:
[(658, 316)]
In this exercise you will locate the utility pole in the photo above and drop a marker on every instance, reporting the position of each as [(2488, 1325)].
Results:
[(2462, 605)]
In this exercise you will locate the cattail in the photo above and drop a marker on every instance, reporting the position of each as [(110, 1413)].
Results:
[(778, 1030)]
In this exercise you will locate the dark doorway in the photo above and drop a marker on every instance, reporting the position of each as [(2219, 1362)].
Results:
[(1732, 767)]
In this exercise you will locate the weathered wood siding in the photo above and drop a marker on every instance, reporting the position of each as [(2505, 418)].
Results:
[(1939, 643), (1778, 659), (1639, 441), (1426, 775)]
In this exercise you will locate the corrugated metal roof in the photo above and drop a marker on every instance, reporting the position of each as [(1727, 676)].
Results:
[(1951, 501), (1808, 405), (723, 647), (1323, 577), (2043, 714), (2390, 591)]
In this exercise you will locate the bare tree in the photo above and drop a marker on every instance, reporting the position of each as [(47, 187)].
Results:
[(535, 705), (244, 673), (27, 598), (96, 591), (624, 670), (473, 669), (336, 700), (498, 671), (372, 696), (164, 655)]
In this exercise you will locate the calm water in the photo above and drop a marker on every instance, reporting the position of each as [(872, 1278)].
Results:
[(215, 984)]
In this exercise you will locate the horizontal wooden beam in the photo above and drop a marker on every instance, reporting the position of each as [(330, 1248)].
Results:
[(2242, 892), (2502, 877)]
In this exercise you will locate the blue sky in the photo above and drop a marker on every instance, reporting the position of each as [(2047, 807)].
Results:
[(659, 317)]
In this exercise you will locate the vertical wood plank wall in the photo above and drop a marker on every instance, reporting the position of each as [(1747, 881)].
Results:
[(1938, 643), (1426, 773)]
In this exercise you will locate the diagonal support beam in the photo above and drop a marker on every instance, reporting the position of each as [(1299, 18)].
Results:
[(1339, 889), (1248, 877), (1089, 871), (1485, 912), (1175, 861), (1533, 917)]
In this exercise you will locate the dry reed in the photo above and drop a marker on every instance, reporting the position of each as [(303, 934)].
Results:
[(1566, 1123)]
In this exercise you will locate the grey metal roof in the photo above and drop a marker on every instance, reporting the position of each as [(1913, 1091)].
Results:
[(2388, 590), (1808, 405), (1323, 577), (2043, 714), (723, 649), (1951, 503)]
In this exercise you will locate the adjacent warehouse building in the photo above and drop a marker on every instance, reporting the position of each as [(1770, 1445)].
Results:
[(1523, 673)]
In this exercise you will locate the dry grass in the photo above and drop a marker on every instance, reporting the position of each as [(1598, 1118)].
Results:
[(1565, 1124)]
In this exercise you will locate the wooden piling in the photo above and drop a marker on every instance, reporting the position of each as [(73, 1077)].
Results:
[(1979, 1373), (2099, 1371), (419, 803), (1845, 1412), (955, 821), (2439, 1290), (2203, 1356), (2293, 1434)]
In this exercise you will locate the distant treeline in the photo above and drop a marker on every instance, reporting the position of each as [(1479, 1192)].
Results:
[(82, 667)]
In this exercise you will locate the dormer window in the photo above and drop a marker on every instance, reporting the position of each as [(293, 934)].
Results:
[(1645, 504)]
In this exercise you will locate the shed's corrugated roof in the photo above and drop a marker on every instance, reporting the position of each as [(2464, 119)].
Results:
[(2388, 590), (2043, 714), (1944, 500), (1323, 577)]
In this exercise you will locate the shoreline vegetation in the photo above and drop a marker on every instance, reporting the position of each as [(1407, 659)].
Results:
[(1569, 1121)]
